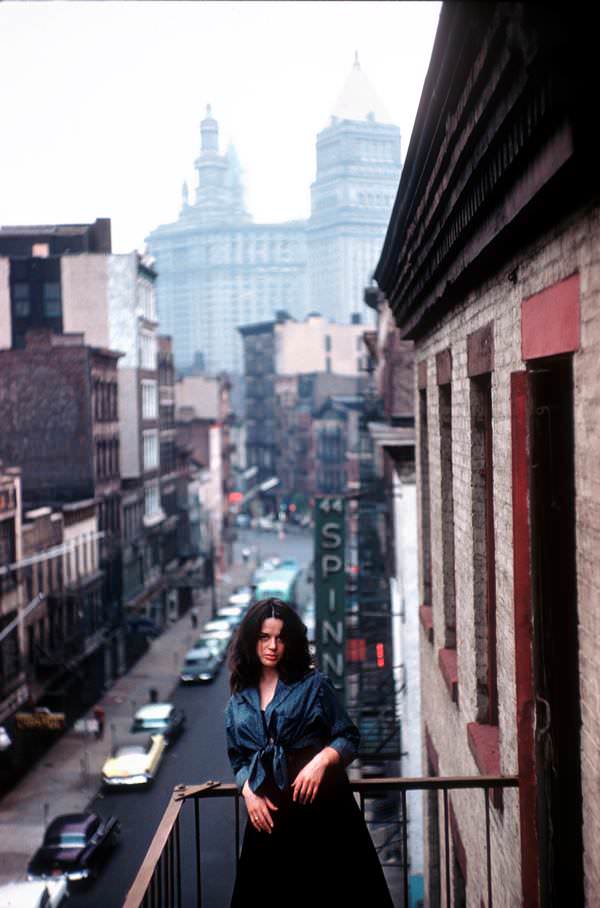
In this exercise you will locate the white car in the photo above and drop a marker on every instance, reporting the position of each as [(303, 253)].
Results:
[(218, 624), (242, 597), (232, 613), (34, 893)]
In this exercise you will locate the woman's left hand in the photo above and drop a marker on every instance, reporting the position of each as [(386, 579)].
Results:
[(307, 782)]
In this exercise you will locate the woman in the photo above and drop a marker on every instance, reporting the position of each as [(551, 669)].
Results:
[(289, 741)]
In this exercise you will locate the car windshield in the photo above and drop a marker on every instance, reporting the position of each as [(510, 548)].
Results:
[(68, 840), (196, 660), (151, 723)]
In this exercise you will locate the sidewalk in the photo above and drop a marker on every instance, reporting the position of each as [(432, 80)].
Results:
[(68, 775)]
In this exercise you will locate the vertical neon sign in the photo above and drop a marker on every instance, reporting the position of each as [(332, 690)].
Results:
[(330, 588)]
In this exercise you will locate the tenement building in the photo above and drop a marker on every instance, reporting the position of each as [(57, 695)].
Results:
[(218, 269), (491, 265)]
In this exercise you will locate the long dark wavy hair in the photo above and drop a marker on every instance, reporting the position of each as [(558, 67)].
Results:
[(244, 664)]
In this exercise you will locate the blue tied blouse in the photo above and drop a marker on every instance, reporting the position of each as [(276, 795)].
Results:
[(302, 714)]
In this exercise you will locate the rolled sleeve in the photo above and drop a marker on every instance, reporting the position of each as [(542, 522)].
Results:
[(239, 762), (345, 736)]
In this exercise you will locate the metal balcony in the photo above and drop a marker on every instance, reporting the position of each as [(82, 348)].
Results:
[(159, 881)]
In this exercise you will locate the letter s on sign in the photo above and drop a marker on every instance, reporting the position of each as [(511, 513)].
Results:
[(331, 537)]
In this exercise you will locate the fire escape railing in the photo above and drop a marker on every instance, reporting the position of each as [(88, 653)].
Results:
[(158, 883)]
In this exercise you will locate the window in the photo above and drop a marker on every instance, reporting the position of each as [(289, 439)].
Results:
[(149, 400), (51, 299), (445, 416), (484, 570), (21, 300), (150, 450), (151, 502), (425, 498), (148, 351), (328, 343)]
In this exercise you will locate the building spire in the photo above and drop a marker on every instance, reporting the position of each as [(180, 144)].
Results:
[(209, 132), (358, 99)]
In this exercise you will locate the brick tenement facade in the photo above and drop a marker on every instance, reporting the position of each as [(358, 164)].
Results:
[(492, 266), (574, 248)]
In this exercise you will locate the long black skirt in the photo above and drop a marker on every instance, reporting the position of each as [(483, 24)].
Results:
[(318, 855)]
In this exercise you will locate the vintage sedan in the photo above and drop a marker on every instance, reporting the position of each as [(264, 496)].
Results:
[(75, 846), (200, 664), (231, 613), (134, 760), (218, 624), (217, 643), (242, 597), (159, 718)]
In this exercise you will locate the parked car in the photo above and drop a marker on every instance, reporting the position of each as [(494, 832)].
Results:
[(75, 846), (200, 664), (159, 718), (242, 597), (218, 624), (232, 613), (134, 760), (141, 625), (268, 524), (33, 893), (217, 643)]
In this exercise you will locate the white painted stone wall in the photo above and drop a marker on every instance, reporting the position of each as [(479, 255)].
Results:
[(129, 423), (84, 287), (569, 247), (199, 393), (300, 347)]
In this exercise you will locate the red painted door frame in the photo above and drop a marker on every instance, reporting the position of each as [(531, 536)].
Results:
[(524, 640)]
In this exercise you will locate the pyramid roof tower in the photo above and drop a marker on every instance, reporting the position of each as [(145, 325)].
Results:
[(358, 100)]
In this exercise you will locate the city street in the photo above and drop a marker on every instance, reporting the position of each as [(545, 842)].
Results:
[(198, 755)]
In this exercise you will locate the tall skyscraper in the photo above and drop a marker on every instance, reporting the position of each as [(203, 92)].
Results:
[(218, 270), (358, 171)]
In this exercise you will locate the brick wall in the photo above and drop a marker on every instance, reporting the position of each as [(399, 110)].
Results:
[(570, 247)]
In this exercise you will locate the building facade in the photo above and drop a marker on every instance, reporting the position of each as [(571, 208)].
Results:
[(66, 280), (358, 168), (496, 281), (219, 270), (284, 348)]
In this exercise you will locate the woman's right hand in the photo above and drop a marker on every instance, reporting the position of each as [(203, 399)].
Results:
[(259, 809)]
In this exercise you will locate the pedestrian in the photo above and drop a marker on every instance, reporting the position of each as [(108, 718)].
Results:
[(99, 716), (289, 741), (194, 617)]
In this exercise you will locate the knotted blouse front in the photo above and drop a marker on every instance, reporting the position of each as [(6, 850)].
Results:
[(306, 713)]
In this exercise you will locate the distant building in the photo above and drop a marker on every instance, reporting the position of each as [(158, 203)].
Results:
[(310, 458), (66, 280), (203, 425), (219, 270), (290, 364), (358, 169)]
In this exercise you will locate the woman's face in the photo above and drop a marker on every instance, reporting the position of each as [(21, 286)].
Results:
[(270, 647)]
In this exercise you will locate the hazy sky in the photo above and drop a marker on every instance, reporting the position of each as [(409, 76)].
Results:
[(101, 101)]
